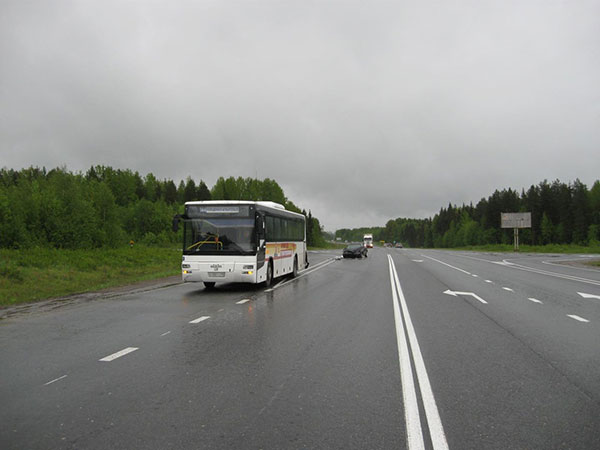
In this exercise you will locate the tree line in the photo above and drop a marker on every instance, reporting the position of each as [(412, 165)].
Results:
[(107, 207), (561, 213)]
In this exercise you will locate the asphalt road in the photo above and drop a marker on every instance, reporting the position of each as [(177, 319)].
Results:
[(403, 349)]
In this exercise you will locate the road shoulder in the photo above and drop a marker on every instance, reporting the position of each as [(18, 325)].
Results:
[(9, 312)]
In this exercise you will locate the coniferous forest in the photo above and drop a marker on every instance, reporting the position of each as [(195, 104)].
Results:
[(560, 213), (107, 207)]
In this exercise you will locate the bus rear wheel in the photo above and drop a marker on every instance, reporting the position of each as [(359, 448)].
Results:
[(295, 270)]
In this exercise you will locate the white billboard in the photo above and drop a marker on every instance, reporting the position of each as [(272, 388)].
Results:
[(515, 220)]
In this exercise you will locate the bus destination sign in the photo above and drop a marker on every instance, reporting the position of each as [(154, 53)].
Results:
[(220, 209)]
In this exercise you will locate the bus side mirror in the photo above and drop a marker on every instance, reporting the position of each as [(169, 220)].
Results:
[(176, 220)]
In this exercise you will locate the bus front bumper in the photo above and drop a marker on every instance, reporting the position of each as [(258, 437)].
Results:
[(242, 276)]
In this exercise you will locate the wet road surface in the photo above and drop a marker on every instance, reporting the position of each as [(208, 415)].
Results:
[(403, 349)]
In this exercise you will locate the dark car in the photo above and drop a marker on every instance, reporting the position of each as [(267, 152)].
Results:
[(355, 251)]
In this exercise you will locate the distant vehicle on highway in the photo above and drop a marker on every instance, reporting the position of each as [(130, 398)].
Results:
[(355, 251), (368, 240), (398, 245)]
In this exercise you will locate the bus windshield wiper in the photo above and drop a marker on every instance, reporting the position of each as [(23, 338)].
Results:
[(207, 239)]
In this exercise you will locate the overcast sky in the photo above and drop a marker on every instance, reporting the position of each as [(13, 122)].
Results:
[(361, 111)]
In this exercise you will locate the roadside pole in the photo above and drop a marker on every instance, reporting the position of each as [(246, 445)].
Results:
[(515, 221)]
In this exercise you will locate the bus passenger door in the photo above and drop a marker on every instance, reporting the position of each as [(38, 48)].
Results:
[(260, 238)]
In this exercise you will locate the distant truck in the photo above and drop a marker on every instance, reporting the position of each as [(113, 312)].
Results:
[(368, 240)]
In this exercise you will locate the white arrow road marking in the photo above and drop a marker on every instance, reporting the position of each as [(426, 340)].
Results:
[(503, 263), (123, 352), (200, 319), (580, 319), (456, 293), (584, 295)]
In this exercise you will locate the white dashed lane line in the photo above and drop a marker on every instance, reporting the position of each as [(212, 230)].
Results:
[(584, 295), (55, 380), (164, 334), (241, 302), (114, 356), (579, 319), (446, 264), (200, 319), (535, 300)]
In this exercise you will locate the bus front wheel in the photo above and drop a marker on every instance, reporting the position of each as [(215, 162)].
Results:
[(269, 279), (209, 284)]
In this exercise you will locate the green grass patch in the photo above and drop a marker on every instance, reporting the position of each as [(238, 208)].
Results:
[(36, 274)]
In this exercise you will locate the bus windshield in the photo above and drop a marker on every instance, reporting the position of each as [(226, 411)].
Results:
[(232, 235)]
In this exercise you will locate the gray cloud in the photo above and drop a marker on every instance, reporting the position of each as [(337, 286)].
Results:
[(361, 111)]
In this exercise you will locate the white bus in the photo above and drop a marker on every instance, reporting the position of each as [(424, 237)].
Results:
[(240, 241), (368, 240)]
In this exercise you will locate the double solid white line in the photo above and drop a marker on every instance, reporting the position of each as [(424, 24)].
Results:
[(411, 407)]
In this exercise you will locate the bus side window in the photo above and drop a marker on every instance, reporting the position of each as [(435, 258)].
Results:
[(269, 229)]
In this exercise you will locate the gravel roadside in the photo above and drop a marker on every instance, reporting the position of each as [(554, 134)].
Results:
[(9, 312)]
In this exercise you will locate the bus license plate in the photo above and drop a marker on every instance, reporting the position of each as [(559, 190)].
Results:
[(216, 274)]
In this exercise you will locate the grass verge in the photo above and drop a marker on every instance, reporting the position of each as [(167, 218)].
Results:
[(36, 274)]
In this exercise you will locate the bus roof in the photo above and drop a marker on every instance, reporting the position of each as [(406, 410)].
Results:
[(236, 202), (260, 204)]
